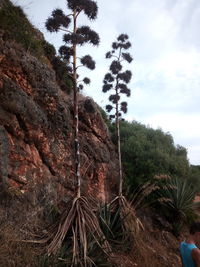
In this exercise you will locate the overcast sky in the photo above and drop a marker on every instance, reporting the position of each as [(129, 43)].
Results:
[(166, 68)]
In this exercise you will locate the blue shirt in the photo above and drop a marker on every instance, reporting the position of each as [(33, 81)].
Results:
[(186, 254)]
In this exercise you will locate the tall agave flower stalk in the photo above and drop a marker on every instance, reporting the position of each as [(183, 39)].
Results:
[(116, 81), (78, 221)]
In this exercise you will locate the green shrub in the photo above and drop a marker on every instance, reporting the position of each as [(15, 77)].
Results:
[(17, 27), (147, 152), (49, 50), (176, 198)]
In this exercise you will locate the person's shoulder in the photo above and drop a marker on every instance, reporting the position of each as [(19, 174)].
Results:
[(196, 251), (196, 255)]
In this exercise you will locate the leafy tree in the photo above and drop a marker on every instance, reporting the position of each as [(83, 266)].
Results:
[(147, 152), (194, 175), (116, 80), (79, 218)]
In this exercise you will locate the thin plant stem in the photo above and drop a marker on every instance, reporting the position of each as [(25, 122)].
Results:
[(76, 120)]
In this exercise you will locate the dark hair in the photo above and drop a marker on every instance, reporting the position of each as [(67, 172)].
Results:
[(195, 227)]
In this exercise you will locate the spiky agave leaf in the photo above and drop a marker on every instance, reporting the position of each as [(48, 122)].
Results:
[(131, 224), (180, 202), (181, 194), (110, 223), (88, 62), (80, 220)]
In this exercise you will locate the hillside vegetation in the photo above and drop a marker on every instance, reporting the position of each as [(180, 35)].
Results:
[(37, 132), (148, 152)]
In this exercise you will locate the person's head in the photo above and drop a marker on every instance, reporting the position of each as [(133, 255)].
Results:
[(195, 231)]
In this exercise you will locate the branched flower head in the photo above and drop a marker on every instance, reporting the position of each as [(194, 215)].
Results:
[(65, 52), (88, 6), (57, 20), (127, 45), (86, 80), (124, 107), (122, 86), (109, 108), (107, 87), (108, 78), (80, 87), (122, 37), (115, 67), (108, 55), (114, 98), (125, 76), (91, 9), (88, 62), (115, 45), (88, 35), (73, 38), (111, 117), (124, 89), (127, 57)]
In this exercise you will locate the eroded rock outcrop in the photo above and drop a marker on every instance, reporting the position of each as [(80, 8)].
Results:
[(36, 133)]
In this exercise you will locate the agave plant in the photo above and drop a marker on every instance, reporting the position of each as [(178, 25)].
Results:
[(78, 223), (178, 201), (116, 80)]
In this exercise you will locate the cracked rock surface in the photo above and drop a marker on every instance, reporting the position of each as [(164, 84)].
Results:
[(36, 132)]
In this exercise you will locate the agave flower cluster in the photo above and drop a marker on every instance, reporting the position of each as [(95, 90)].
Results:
[(117, 79), (74, 35)]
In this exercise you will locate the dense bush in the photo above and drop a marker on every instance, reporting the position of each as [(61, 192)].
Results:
[(195, 177), (147, 152)]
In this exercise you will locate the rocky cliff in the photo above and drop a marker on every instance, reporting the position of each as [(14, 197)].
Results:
[(36, 133)]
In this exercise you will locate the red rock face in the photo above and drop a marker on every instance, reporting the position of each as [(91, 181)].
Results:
[(36, 133)]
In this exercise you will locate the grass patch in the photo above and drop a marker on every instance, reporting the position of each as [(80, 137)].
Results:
[(17, 27)]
